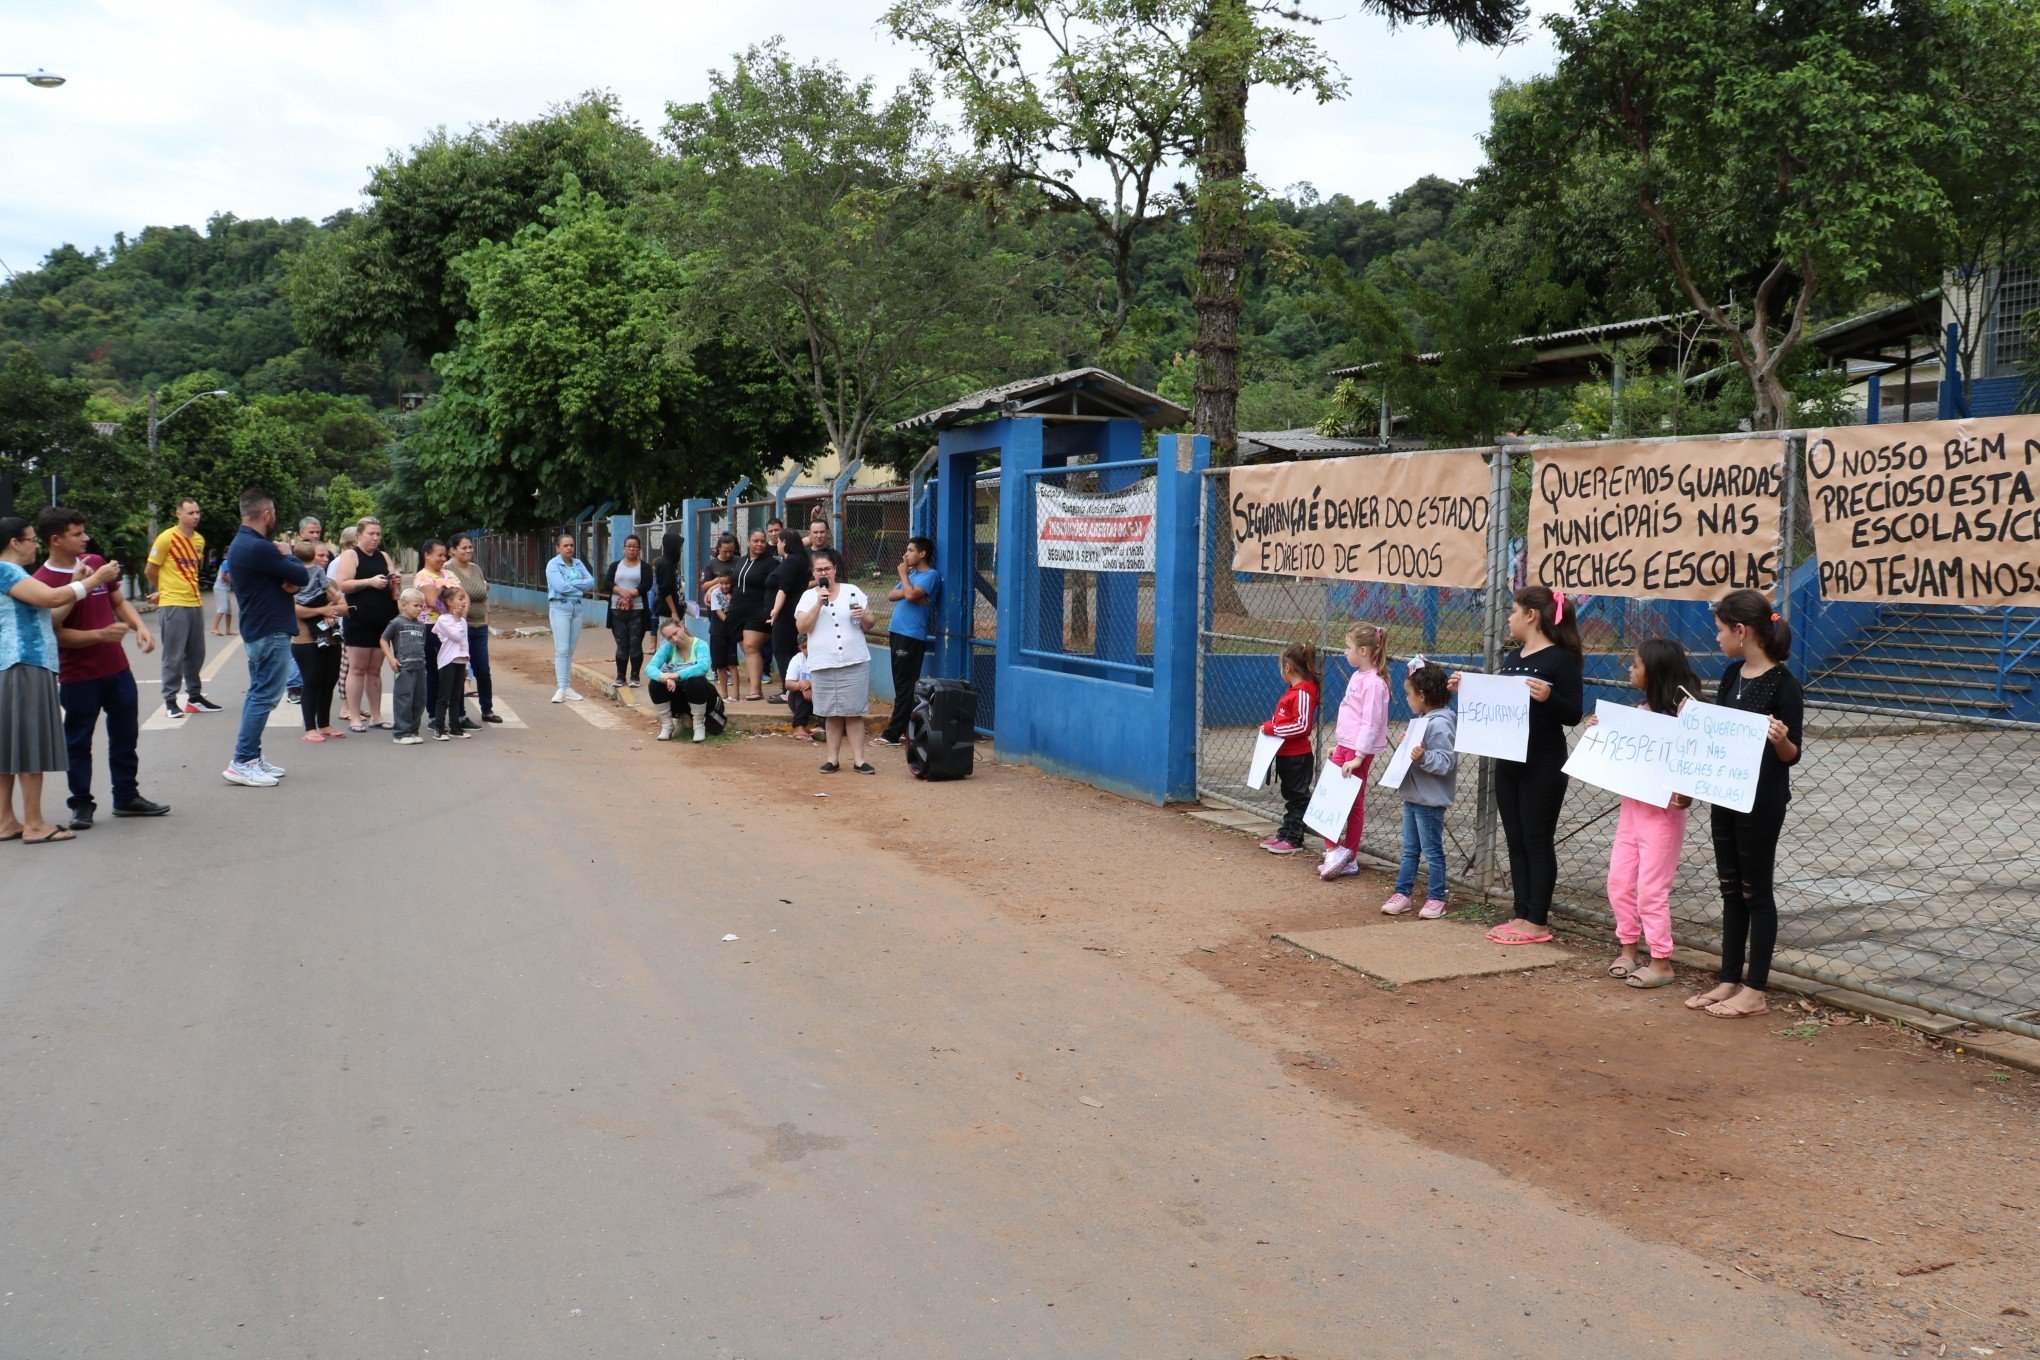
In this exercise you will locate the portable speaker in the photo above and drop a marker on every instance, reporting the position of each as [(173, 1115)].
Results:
[(942, 733)]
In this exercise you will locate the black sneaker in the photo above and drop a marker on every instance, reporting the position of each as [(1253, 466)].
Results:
[(202, 704), (140, 807), (491, 718), (81, 819), (173, 710), (293, 696)]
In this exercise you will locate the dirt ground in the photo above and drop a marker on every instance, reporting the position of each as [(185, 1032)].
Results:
[(1892, 1178)]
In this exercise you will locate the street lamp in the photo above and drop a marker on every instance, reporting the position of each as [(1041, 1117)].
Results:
[(155, 425), (39, 78)]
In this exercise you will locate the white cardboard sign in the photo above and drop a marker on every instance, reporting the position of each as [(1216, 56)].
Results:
[(1262, 760), (1628, 751), (1718, 754), (1494, 716), (1331, 803), (1399, 764)]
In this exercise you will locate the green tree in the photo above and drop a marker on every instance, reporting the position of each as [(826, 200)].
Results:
[(343, 503), (1981, 59), (218, 448), (389, 269), (814, 219), (571, 385), (45, 429), (1772, 148)]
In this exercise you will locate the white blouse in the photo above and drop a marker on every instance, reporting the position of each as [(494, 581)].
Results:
[(837, 639)]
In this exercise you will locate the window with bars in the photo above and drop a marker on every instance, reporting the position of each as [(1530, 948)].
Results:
[(2018, 294)]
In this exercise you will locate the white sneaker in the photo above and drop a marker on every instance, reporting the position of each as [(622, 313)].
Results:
[(700, 728), (1338, 863), (559, 696), (574, 696), (273, 771), (412, 740), (248, 775), (665, 729)]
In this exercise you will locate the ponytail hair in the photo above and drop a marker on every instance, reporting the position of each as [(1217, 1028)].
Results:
[(1554, 617), (1668, 678), (1752, 609), (1375, 639), (1302, 658)]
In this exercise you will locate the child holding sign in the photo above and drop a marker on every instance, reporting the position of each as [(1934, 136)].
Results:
[(1363, 734), (1428, 787), (1295, 715), (1645, 860), (1530, 792), (1746, 843)]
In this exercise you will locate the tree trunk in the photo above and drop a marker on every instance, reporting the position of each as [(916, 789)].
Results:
[(1774, 403), (1223, 48)]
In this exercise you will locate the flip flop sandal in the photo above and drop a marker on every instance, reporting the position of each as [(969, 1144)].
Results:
[(357, 727), (1644, 984), (58, 835), (313, 736), (1719, 1014), (384, 726), (1699, 1002), (1522, 939), (15, 837)]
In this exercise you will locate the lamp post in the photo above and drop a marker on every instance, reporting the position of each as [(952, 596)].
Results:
[(39, 78), (155, 425)]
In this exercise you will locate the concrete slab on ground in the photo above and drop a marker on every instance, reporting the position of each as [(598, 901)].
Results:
[(1237, 818), (1422, 951)]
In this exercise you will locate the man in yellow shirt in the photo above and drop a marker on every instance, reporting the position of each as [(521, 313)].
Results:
[(180, 609)]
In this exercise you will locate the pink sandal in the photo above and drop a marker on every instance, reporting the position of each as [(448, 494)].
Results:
[(313, 736)]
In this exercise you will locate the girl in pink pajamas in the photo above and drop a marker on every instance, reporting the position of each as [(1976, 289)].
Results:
[(1647, 838), (1362, 735)]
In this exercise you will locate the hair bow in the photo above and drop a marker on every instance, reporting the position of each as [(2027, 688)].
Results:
[(1558, 607)]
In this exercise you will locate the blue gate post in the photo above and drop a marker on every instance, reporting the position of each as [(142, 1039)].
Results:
[(1181, 461), (693, 552)]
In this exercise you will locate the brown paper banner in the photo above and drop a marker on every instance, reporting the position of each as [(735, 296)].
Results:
[(1414, 518), (1689, 520), (1935, 512)]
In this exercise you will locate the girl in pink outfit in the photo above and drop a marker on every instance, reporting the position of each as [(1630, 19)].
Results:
[(1362, 735), (1647, 838)]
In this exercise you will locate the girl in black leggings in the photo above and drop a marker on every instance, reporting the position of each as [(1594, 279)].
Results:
[(1746, 843), (1530, 792)]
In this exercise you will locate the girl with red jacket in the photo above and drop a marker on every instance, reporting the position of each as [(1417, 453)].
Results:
[(1295, 761)]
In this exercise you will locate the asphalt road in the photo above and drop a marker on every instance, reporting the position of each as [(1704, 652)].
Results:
[(440, 1051)]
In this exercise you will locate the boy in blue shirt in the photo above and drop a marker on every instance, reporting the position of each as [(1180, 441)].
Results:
[(910, 630)]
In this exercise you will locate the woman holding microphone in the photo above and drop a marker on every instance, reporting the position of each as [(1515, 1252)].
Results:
[(835, 616)]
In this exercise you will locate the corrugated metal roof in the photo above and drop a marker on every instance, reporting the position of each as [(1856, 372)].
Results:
[(1604, 331), (1092, 391)]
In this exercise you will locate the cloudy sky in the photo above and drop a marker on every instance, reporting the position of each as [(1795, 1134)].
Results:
[(176, 111)]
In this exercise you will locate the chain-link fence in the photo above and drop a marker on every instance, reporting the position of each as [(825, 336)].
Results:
[(1909, 867), (1248, 619), (871, 538)]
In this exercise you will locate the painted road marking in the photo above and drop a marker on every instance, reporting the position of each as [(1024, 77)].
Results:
[(597, 714)]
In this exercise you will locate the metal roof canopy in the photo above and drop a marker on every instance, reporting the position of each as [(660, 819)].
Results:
[(1077, 394), (1564, 358)]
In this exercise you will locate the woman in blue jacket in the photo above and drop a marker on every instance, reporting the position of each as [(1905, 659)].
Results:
[(678, 678)]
